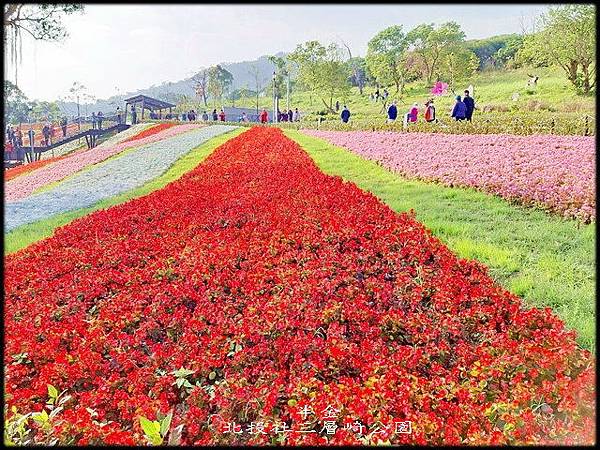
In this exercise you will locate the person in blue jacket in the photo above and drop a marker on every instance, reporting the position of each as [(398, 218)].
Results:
[(345, 114), (459, 112), (392, 112), (470, 104)]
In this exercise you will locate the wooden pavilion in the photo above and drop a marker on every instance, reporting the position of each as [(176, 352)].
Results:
[(145, 102)]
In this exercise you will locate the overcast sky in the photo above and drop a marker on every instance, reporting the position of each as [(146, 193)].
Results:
[(120, 48)]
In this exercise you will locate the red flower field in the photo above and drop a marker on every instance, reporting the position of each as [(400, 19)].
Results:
[(150, 131), (294, 300)]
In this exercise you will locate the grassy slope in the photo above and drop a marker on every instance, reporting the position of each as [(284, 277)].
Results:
[(544, 259), (491, 88), (25, 235)]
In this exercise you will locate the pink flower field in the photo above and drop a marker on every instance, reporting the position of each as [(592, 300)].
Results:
[(24, 185), (553, 172)]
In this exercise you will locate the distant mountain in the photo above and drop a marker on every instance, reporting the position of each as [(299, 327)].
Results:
[(174, 91)]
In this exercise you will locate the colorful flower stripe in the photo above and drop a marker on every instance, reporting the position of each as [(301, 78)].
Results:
[(111, 178), (26, 168), (23, 186), (152, 130), (283, 292), (555, 172)]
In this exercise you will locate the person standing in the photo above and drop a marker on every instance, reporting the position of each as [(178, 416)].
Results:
[(94, 119), (345, 115), (63, 125), (204, 116), (377, 95), (429, 111), (470, 104), (460, 109), (19, 137), (392, 112), (100, 116), (414, 112), (133, 115), (46, 134), (222, 115), (264, 116), (337, 105), (291, 115), (296, 115)]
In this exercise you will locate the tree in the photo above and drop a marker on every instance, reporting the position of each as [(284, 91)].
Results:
[(322, 70), (41, 21), (568, 39), (219, 81), (457, 64), (385, 54), (506, 55), (201, 85), (358, 69), (496, 50), (259, 81), (42, 110), (431, 45), (15, 104)]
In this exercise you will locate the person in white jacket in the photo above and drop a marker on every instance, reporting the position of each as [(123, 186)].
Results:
[(296, 115)]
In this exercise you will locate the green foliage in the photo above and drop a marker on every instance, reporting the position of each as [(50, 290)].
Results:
[(322, 70), (505, 56), (386, 55), (567, 39), (15, 104), (155, 431), (495, 51), (432, 45), (219, 82)]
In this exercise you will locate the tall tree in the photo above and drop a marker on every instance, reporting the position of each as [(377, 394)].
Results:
[(259, 81), (432, 44), (41, 21), (357, 67), (201, 85), (219, 82), (568, 39), (385, 54), (15, 104), (322, 70)]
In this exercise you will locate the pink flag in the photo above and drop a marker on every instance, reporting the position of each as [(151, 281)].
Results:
[(439, 88)]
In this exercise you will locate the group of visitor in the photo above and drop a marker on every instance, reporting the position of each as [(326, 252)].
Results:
[(375, 96), (463, 109), (14, 136), (288, 116), (97, 120)]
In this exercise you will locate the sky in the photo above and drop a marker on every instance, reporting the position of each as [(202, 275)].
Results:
[(116, 49)]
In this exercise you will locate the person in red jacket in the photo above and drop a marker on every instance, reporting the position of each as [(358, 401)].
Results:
[(264, 116), (222, 115)]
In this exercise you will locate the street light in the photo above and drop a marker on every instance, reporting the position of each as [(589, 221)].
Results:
[(274, 101)]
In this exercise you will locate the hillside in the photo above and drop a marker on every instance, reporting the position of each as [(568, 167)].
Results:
[(175, 91), (493, 92)]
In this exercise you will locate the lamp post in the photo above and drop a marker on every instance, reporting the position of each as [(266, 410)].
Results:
[(274, 101), (31, 134), (288, 92)]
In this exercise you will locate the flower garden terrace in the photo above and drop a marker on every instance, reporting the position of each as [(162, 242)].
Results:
[(255, 288)]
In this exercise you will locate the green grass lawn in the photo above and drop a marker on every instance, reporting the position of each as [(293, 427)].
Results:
[(27, 234), (546, 260)]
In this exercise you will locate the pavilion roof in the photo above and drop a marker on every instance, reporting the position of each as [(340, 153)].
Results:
[(149, 102)]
